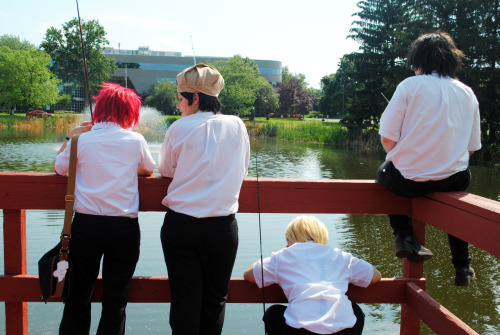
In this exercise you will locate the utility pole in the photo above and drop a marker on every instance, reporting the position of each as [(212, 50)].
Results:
[(192, 47)]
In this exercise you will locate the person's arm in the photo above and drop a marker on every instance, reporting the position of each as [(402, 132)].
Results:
[(248, 274), (387, 144), (142, 172), (83, 128), (376, 276)]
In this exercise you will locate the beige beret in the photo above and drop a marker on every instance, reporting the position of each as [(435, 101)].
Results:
[(200, 78)]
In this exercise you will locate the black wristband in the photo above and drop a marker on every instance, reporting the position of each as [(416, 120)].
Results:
[(67, 138)]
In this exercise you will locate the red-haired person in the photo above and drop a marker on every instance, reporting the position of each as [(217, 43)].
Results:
[(105, 224)]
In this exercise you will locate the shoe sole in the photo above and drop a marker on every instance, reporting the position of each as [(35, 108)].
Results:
[(403, 253), (413, 257), (416, 258)]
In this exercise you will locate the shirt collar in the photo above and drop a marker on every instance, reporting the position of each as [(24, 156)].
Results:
[(105, 125)]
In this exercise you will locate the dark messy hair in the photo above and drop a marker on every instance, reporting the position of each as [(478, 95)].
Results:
[(208, 103), (435, 52)]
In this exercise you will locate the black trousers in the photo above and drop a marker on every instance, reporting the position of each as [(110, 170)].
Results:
[(275, 324), (92, 237), (199, 254), (389, 176)]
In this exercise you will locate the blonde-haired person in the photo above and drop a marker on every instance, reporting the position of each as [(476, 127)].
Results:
[(314, 277)]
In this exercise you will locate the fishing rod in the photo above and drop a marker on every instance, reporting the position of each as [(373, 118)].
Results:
[(84, 60), (258, 209), (384, 97)]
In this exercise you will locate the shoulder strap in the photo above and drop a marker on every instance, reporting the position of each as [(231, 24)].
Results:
[(70, 196)]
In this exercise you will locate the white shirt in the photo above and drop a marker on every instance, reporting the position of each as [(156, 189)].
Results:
[(207, 156), (315, 278), (106, 172), (435, 122)]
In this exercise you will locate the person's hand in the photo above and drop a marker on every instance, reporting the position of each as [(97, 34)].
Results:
[(83, 128)]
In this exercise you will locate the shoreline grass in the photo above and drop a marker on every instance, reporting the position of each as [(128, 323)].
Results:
[(20, 121), (286, 129)]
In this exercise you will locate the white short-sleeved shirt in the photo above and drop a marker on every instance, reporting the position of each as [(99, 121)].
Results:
[(106, 172), (315, 279), (435, 122), (207, 156)]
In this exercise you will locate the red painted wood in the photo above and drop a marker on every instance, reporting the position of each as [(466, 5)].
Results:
[(32, 190), (16, 318), (410, 322), (410, 269), (467, 216), (466, 220), (14, 226), (157, 290), (438, 318)]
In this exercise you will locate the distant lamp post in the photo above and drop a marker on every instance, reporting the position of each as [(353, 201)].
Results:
[(343, 99)]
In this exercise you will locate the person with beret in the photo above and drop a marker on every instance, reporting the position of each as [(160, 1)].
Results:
[(207, 155)]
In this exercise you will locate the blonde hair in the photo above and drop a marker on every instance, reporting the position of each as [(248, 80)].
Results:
[(306, 228)]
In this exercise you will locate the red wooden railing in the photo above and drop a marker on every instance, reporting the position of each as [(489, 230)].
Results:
[(22, 191)]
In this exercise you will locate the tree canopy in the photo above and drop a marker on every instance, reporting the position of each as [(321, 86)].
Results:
[(267, 99), (163, 97), (25, 79), (241, 77), (65, 47), (294, 95), (15, 43)]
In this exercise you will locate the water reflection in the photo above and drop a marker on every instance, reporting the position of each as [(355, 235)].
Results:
[(366, 236)]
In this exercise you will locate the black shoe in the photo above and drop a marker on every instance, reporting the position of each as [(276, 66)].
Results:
[(464, 276), (408, 247)]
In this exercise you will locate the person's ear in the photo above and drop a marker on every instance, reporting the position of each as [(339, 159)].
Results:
[(196, 99)]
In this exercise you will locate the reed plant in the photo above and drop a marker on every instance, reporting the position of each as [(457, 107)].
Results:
[(21, 122), (295, 130)]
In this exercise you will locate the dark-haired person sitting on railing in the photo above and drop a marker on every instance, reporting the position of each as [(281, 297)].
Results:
[(429, 129)]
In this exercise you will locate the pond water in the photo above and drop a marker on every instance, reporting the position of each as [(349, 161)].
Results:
[(366, 236)]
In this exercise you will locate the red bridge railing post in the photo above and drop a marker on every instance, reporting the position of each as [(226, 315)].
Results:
[(410, 322), (14, 232)]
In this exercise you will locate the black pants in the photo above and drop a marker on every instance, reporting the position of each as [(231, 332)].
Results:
[(274, 321), (389, 176), (199, 254), (92, 237)]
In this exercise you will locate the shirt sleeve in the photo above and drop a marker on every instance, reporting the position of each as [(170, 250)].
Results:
[(392, 118), (269, 268), (361, 272), (247, 147), (61, 163), (166, 159), (147, 162), (475, 136)]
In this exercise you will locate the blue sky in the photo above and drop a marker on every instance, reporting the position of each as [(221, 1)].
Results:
[(307, 36)]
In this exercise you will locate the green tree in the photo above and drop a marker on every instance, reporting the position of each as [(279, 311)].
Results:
[(65, 47), (379, 66), (25, 79), (15, 43), (64, 99), (267, 99), (163, 97), (241, 77), (294, 98)]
